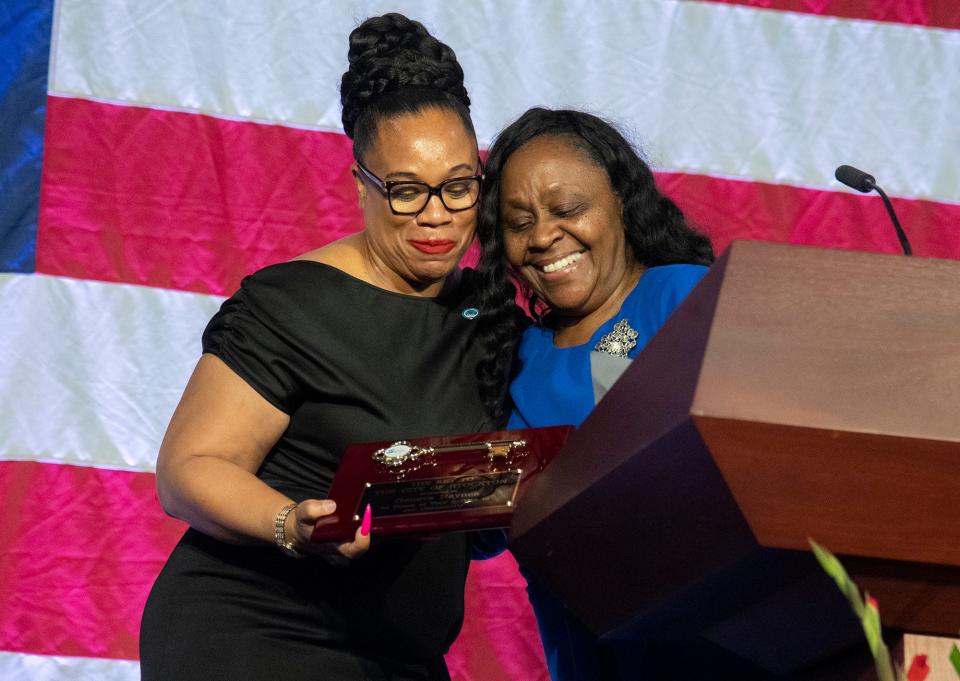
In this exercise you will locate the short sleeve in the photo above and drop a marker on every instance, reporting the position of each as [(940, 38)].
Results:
[(249, 334), (673, 283)]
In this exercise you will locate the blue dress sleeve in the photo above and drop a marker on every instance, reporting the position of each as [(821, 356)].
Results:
[(660, 292), (676, 282)]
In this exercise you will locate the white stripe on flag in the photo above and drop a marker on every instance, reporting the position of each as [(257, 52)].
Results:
[(93, 371), (722, 90), (62, 668)]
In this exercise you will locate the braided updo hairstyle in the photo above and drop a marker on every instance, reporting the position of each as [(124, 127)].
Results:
[(656, 229), (397, 67)]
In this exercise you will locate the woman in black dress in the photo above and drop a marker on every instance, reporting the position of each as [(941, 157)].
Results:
[(373, 337)]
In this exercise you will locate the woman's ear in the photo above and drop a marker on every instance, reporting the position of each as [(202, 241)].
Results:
[(359, 184)]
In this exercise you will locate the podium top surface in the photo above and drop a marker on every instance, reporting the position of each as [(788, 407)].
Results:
[(835, 339)]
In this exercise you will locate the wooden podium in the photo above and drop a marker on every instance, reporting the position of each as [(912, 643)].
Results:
[(797, 392)]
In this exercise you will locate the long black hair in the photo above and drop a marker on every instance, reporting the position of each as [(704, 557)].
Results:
[(656, 229)]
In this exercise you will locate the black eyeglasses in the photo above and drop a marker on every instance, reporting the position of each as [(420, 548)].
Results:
[(407, 197)]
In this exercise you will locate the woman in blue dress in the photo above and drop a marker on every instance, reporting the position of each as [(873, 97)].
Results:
[(571, 212)]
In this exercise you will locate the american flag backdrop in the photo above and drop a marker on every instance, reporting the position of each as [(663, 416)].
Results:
[(153, 152)]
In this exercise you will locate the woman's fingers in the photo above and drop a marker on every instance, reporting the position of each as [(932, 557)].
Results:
[(361, 540), (311, 510), (306, 516)]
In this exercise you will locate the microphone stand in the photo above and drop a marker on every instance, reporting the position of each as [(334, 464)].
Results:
[(904, 244), (864, 183)]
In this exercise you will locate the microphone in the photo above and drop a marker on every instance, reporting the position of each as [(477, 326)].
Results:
[(864, 182), (856, 178)]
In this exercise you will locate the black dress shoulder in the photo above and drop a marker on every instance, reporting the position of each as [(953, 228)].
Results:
[(349, 362)]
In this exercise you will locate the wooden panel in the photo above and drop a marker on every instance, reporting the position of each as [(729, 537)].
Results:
[(857, 494), (913, 597), (640, 537), (796, 393), (837, 340)]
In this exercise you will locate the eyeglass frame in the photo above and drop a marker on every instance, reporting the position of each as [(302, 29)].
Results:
[(385, 186)]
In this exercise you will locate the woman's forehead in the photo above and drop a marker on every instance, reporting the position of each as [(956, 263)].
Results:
[(563, 146), (551, 165), (428, 135)]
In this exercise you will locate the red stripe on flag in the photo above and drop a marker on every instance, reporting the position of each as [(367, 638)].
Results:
[(933, 13), (191, 202), (82, 547), (184, 201), (498, 641), (731, 209)]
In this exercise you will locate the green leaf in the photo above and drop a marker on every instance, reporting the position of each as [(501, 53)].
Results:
[(871, 627), (831, 565), (869, 616), (955, 659), (881, 655)]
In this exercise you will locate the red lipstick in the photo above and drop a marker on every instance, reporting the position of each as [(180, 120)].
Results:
[(434, 247)]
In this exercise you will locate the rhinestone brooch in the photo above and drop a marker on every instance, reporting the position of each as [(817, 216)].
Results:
[(618, 342)]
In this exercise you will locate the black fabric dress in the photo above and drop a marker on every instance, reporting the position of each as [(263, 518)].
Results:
[(349, 362)]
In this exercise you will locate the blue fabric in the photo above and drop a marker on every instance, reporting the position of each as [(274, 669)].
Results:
[(554, 387), (25, 27)]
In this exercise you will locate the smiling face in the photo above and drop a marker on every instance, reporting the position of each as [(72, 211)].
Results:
[(564, 233), (415, 253)]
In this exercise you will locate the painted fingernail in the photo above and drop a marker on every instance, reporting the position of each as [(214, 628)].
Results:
[(367, 521)]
